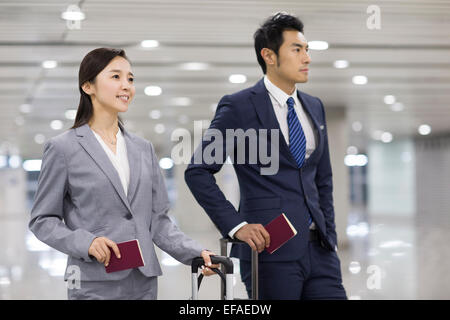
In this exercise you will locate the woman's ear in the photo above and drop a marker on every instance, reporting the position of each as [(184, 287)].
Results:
[(87, 88)]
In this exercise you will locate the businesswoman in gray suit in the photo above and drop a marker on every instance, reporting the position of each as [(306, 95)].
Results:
[(100, 185)]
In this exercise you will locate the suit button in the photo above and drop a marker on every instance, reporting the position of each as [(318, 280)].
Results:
[(129, 216)]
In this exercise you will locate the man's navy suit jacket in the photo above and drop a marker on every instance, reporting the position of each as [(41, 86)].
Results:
[(293, 191)]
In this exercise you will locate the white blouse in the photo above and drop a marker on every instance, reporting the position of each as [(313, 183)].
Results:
[(119, 160)]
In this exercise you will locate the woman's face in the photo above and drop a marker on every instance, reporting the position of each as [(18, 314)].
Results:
[(113, 88)]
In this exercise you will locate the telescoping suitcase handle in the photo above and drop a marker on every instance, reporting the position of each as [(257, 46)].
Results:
[(223, 251), (226, 262)]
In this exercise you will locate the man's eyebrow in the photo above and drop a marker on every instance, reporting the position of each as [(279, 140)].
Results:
[(118, 71), (295, 44)]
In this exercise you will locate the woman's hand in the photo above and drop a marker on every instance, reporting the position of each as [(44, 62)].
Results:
[(100, 249), (206, 271)]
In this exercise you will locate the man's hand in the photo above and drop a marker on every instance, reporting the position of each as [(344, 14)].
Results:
[(100, 250), (255, 235)]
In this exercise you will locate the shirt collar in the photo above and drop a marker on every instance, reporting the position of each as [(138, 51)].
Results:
[(279, 95)]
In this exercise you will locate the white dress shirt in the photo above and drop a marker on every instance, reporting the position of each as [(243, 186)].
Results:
[(119, 159), (279, 102)]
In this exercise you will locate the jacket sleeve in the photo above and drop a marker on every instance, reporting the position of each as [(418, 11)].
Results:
[(166, 234), (199, 175), (47, 212), (324, 182)]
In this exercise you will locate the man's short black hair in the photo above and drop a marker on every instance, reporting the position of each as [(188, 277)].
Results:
[(270, 34)]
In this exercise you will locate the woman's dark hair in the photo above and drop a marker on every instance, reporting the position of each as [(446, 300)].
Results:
[(270, 34), (93, 63)]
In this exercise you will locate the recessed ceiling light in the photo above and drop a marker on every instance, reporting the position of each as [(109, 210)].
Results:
[(166, 163), (153, 91), (359, 80), (237, 78), (25, 108), (398, 106), (149, 44), (70, 114), (424, 129), (155, 114), (160, 128), (181, 101), (386, 137), (318, 45), (357, 126), (183, 119), (56, 124), (341, 64), (39, 138), (194, 66), (49, 64), (389, 99), (73, 13), (352, 150)]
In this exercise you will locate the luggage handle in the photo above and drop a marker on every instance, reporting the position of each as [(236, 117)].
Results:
[(227, 280)]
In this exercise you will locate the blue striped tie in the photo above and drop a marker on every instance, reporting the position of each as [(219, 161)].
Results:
[(297, 139)]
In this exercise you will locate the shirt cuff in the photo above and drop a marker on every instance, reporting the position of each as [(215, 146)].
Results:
[(235, 229)]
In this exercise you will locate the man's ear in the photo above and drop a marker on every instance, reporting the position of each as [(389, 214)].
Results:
[(270, 58), (87, 88)]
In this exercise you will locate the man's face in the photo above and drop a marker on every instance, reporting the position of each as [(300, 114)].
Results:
[(293, 57)]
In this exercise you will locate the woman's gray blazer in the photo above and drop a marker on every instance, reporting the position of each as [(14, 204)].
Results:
[(80, 197)]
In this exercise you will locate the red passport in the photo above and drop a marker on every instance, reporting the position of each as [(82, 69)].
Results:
[(280, 230), (130, 257)]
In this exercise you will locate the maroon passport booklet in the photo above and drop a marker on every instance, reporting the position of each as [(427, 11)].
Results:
[(280, 230), (130, 257)]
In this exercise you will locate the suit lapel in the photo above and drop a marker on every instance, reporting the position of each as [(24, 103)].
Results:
[(266, 114), (89, 143), (307, 107), (134, 160)]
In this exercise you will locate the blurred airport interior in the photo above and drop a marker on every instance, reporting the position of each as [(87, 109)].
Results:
[(381, 69)]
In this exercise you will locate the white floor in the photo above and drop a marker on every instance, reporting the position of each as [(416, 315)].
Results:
[(385, 259)]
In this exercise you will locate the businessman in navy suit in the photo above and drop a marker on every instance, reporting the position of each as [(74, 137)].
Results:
[(307, 266)]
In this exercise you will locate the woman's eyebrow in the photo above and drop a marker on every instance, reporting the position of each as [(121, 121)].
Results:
[(119, 71)]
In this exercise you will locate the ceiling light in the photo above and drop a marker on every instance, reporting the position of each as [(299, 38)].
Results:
[(152, 91), (166, 163), (352, 150), (20, 121), (359, 80), (181, 101), (15, 162), (70, 114), (73, 13), (183, 119), (398, 106), (56, 124), (386, 137), (389, 99), (160, 128), (49, 64), (355, 160), (149, 44), (39, 138), (194, 66), (32, 165), (318, 45), (25, 108), (341, 64), (155, 114), (424, 129), (357, 126), (237, 78)]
